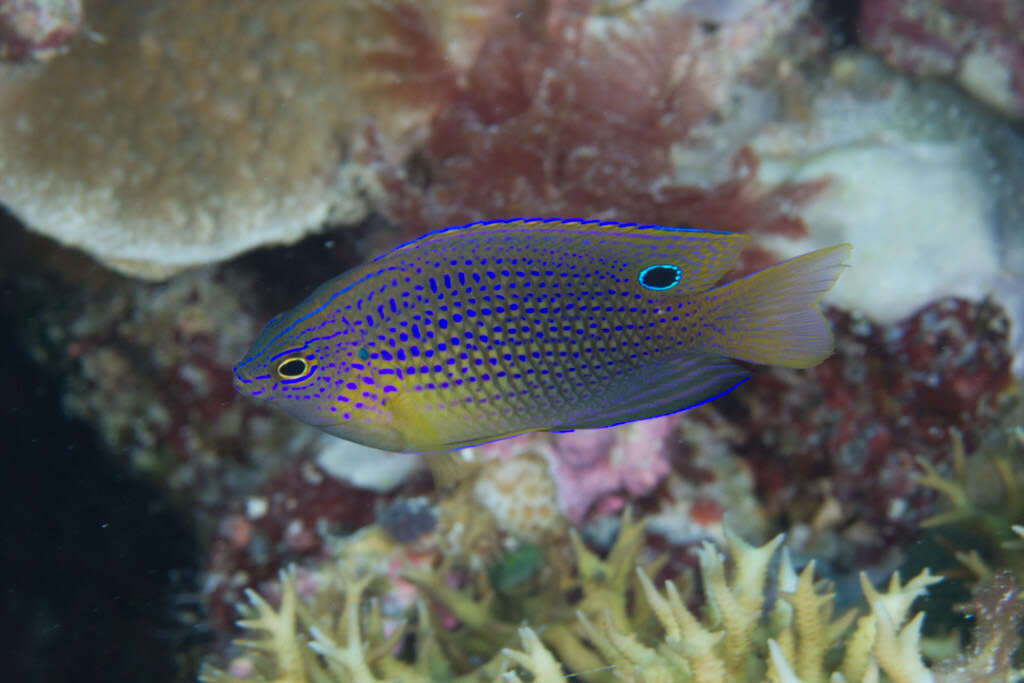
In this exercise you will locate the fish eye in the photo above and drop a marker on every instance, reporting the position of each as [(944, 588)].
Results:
[(292, 368), (660, 277), (363, 353)]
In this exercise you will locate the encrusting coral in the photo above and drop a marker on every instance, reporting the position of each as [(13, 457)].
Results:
[(178, 133), (604, 619)]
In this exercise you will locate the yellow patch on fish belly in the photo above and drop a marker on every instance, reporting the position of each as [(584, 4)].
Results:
[(432, 429), (413, 422)]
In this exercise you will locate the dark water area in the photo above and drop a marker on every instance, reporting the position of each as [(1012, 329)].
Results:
[(91, 553)]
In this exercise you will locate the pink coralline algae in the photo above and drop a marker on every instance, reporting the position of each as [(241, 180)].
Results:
[(979, 44), (37, 29), (599, 470), (555, 117)]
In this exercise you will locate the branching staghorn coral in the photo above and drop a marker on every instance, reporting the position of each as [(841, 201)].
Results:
[(721, 646), (603, 619), (337, 635), (730, 642), (991, 509), (489, 618)]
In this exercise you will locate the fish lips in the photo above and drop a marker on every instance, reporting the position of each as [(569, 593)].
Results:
[(245, 385)]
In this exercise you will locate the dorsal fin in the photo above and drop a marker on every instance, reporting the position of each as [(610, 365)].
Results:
[(705, 255)]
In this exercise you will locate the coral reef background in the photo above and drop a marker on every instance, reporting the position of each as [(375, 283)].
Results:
[(173, 174)]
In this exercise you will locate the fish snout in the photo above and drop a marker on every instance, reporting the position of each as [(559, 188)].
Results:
[(241, 383)]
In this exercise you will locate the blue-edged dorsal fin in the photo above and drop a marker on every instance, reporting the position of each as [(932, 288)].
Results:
[(285, 322), (705, 256)]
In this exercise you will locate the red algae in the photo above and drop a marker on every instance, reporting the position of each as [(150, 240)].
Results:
[(413, 67), (551, 119), (706, 511)]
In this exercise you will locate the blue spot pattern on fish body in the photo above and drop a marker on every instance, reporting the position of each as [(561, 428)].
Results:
[(500, 327)]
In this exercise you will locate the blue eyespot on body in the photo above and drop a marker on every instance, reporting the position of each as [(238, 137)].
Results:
[(293, 369), (660, 277)]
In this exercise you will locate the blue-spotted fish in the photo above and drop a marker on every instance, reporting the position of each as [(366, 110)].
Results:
[(483, 331)]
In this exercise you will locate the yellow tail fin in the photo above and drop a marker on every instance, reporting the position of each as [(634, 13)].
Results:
[(772, 316)]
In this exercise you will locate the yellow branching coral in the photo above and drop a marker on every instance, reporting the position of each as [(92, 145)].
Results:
[(805, 630), (336, 636), (684, 634), (737, 603), (275, 631), (894, 604), (488, 621), (604, 619), (736, 640), (984, 494), (794, 642), (534, 657)]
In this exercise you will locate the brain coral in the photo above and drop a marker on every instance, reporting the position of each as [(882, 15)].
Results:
[(177, 133)]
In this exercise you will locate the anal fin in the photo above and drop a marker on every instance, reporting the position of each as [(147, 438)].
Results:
[(680, 383)]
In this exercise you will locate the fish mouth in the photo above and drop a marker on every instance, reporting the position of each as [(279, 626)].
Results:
[(240, 383)]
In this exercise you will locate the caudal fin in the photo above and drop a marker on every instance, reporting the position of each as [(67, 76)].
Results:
[(772, 316)]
